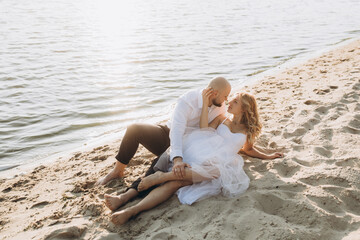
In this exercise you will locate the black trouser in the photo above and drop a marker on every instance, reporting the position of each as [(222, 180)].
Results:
[(150, 171), (154, 138)]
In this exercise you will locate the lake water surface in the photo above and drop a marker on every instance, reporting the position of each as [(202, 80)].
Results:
[(75, 71)]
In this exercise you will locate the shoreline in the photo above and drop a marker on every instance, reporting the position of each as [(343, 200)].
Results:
[(110, 138), (309, 111)]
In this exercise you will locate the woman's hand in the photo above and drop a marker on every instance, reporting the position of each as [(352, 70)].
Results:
[(275, 155), (206, 95)]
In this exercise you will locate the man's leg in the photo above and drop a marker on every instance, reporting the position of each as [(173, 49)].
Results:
[(155, 197), (155, 138)]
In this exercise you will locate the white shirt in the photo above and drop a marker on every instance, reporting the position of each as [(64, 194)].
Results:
[(186, 116)]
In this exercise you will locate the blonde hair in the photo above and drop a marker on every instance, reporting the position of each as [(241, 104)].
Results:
[(250, 116)]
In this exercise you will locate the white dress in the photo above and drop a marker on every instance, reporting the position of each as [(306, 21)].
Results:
[(213, 154)]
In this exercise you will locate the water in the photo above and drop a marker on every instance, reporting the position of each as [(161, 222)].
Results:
[(74, 71)]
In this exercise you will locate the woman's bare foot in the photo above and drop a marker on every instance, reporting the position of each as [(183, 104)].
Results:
[(122, 216), (110, 176), (151, 180), (114, 202)]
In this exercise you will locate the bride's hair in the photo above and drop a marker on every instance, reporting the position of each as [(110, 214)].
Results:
[(250, 116)]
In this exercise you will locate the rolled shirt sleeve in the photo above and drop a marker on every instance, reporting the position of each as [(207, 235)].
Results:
[(179, 120)]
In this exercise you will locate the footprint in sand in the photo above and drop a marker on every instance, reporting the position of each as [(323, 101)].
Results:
[(351, 130), (322, 110), (350, 98), (356, 86), (291, 211), (309, 124), (312, 163), (323, 179), (298, 132), (334, 116), (349, 197), (327, 134), (82, 186), (262, 167), (357, 108), (328, 203), (348, 162), (302, 213), (286, 169), (322, 151), (92, 209), (270, 203), (353, 126), (71, 232)]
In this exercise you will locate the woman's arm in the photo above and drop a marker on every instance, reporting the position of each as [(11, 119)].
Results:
[(204, 118), (216, 122), (251, 151)]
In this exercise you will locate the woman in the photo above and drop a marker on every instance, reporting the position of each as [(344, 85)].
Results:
[(212, 154)]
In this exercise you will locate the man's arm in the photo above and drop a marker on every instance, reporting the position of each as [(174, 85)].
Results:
[(179, 120)]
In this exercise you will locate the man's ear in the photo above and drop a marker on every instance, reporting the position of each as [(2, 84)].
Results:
[(216, 93)]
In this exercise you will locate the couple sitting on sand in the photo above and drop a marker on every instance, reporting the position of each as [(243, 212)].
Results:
[(204, 143)]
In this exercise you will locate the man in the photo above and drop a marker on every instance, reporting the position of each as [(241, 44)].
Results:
[(157, 138)]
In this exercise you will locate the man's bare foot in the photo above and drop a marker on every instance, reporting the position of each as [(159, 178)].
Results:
[(122, 216), (151, 180), (114, 202), (110, 176)]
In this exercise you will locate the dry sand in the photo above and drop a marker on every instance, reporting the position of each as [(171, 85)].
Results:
[(311, 112)]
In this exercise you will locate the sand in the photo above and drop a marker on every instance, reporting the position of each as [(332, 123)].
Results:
[(311, 112)]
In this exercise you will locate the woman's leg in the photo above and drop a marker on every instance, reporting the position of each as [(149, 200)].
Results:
[(161, 177), (114, 202), (155, 197)]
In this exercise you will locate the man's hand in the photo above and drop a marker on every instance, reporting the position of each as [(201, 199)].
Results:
[(179, 167)]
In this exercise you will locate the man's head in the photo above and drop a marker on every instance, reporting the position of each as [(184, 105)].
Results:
[(222, 89)]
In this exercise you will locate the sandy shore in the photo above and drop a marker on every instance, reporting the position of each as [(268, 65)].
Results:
[(310, 111)]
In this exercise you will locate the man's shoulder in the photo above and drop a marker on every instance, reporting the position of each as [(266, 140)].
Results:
[(191, 96), (191, 93)]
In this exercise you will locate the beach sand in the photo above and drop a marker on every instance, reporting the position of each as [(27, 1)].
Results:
[(311, 112)]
